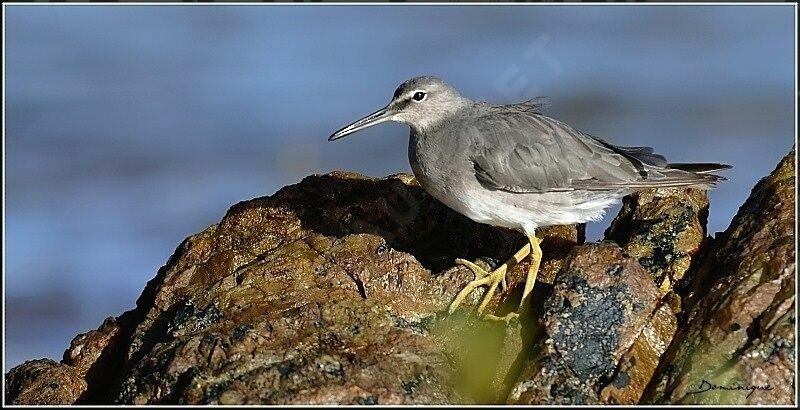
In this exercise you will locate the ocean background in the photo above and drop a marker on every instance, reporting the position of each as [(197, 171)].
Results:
[(128, 128)]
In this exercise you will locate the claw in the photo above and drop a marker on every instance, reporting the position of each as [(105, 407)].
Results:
[(484, 280), (492, 279), (477, 270), (497, 278)]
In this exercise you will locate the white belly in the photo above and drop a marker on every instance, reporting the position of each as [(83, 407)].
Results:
[(526, 212)]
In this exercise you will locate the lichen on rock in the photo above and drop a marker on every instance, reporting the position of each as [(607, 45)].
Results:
[(601, 301), (740, 330), (663, 229)]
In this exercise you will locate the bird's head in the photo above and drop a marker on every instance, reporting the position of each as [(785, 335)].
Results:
[(421, 102)]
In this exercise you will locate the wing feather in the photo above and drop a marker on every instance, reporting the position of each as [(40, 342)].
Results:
[(528, 152)]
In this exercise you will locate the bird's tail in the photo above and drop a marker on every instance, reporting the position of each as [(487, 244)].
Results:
[(699, 174), (698, 167)]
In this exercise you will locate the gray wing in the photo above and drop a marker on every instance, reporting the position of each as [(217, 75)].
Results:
[(529, 152)]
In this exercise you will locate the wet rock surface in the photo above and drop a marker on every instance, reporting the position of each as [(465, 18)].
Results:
[(663, 229), (303, 297), (330, 291), (333, 291), (740, 331), (600, 303)]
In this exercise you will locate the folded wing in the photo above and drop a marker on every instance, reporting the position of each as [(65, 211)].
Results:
[(528, 152)]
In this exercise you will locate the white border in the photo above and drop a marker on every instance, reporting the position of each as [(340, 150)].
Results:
[(67, 4)]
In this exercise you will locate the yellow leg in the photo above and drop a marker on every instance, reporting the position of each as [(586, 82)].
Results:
[(491, 279), (533, 269)]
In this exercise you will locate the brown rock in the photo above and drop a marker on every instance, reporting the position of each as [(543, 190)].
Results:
[(94, 356), (43, 382), (637, 365), (663, 229), (740, 331), (86, 348), (601, 302), (328, 292), (297, 299)]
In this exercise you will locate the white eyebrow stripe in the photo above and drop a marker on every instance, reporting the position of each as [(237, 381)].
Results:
[(408, 96)]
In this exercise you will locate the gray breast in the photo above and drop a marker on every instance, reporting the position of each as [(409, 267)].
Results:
[(441, 166)]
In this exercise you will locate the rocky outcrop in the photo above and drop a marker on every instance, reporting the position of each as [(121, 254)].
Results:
[(333, 291), (601, 301), (612, 312), (329, 291), (44, 382), (738, 343), (664, 229)]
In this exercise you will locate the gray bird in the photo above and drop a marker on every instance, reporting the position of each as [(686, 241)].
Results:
[(510, 166)]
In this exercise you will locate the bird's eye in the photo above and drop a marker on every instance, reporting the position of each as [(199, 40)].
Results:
[(419, 96)]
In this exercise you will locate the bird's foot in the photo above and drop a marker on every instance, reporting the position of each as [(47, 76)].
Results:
[(492, 279), (480, 272)]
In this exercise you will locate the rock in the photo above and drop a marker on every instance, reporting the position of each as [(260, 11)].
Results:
[(738, 344), (664, 229), (331, 291), (86, 348), (661, 230), (94, 356), (601, 302), (637, 365), (84, 374), (303, 297), (43, 382)]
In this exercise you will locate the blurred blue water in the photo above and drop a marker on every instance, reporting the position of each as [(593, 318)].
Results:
[(131, 127)]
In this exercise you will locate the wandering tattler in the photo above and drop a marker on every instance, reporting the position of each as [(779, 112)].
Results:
[(510, 166)]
